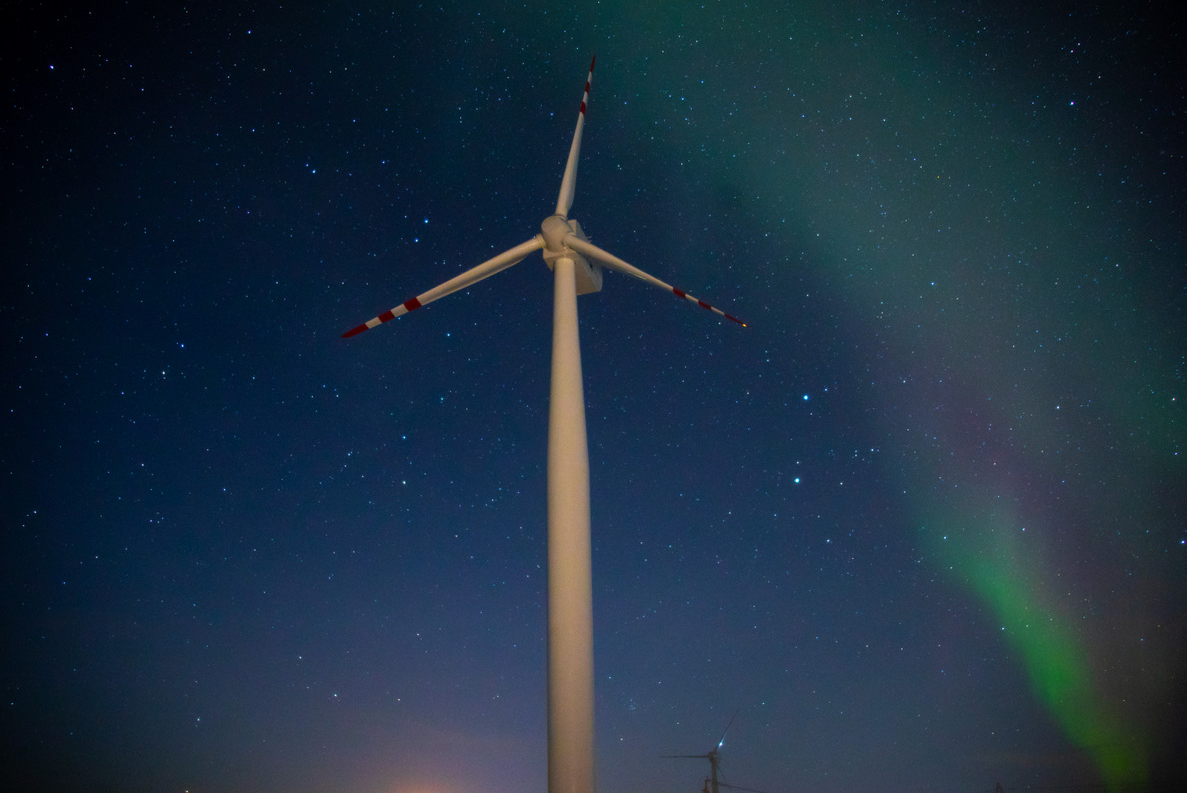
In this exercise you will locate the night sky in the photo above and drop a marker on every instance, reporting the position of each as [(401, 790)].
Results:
[(922, 526)]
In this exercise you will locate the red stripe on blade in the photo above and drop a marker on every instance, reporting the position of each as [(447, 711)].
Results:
[(385, 316), (678, 293), (412, 304), (354, 331)]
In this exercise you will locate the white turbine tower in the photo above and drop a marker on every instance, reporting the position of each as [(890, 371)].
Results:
[(570, 591)]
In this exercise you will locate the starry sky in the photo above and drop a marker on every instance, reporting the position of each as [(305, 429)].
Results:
[(919, 527)]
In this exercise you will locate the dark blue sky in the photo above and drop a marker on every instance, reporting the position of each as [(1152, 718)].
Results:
[(920, 526)]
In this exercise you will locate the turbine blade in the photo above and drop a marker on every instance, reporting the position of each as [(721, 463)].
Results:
[(614, 263), (727, 729), (569, 182), (468, 278)]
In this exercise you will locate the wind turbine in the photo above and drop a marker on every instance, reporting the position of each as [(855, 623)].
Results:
[(577, 270), (712, 756), (713, 783)]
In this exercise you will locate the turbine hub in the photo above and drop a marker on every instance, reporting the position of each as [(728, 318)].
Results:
[(554, 229), (553, 232)]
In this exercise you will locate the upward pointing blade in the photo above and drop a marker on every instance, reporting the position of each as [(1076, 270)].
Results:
[(727, 729), (471, 276), (614, 263), (569, 181)]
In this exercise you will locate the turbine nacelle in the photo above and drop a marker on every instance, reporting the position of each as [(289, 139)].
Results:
[(554, 232)]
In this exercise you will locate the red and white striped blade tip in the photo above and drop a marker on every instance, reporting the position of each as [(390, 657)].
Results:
[(703, 304), (398, 311)]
